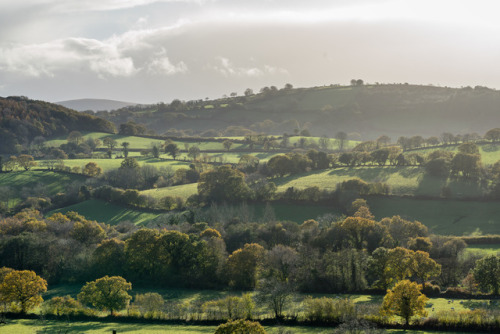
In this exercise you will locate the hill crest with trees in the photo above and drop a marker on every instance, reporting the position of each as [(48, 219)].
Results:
[(23, 119)]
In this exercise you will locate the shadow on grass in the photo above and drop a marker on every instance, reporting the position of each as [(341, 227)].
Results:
[(490, 148), (284, 180), (56, 327), (480, 304), (430, 185)]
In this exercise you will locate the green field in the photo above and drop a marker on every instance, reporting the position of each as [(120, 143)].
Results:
[(94, 327), (146, 143), (490, 153), (107, 212), (183, 190), (445, 217), (483, 250), (36, 183), (108, 164), (401, 180)]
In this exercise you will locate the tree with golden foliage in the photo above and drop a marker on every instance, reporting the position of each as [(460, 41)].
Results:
[(240, 327), (405, 300), (24, 287), (243, 266)]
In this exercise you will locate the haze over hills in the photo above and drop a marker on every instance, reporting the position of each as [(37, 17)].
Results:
[(94, 104), (363, 111)]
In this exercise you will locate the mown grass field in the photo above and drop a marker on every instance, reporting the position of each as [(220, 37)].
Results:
[(445, 217), (35, 182), (183, 190), (401, 180), (94, 327), (107, 212)]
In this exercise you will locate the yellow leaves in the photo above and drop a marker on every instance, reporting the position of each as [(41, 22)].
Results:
[(24, 287), (404, 300)]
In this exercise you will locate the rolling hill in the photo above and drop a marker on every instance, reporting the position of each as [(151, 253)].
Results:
[(22, 119), (94, 104), (364, 112)]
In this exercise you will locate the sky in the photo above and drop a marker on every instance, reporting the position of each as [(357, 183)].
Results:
[(149, 51)]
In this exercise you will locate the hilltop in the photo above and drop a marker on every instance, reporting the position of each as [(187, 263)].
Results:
[(22, 119), (364, 112), (94, 104)]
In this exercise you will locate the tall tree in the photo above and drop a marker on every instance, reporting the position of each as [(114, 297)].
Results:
[(341, 140), (172, 149), (487, 273), (106, 293), (125, 146), (405, 300), (24, 287)]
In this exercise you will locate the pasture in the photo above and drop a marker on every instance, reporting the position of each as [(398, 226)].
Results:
[(403, 181), (483, 250), (95, 327), (183, 190), (445, 217), (490, 153), (107, 212), (21, 184), (108, 164)]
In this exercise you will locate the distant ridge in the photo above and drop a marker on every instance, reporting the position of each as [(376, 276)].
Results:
[(95, 104)]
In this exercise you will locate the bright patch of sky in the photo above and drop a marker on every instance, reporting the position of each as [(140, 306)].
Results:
[(157, 50)]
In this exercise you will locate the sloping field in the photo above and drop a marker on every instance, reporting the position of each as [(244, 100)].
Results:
[(401, 180), (36, 183), (490, 153), (108, 213), (108, 164), (446, 217), (183, 190)]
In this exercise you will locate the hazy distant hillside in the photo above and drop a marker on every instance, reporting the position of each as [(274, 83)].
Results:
[(94, 104), (22, 119), (365, 112)]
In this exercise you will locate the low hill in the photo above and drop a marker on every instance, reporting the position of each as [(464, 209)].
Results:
[(22, 119), (364, 112), (95, 104)]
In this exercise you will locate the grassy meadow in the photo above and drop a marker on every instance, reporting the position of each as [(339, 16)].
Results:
[(403, 181), (490, 153), (445, 217), (95, 327), (108, 164), (483, 250), (34, 182), (183, 190), (107, 212)]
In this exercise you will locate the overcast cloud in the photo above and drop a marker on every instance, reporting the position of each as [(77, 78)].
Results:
[(156, 50)]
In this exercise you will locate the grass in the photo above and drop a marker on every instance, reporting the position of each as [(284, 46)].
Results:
[(445, 217), (109, 164), (146, 143), (184, 191), (107, 212), (483, 250), (95, 327), (401, 180), (490, 153), (36, 183)]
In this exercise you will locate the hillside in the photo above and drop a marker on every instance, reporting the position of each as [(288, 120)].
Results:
[(94, 104), (22, 119), (364, 112)]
